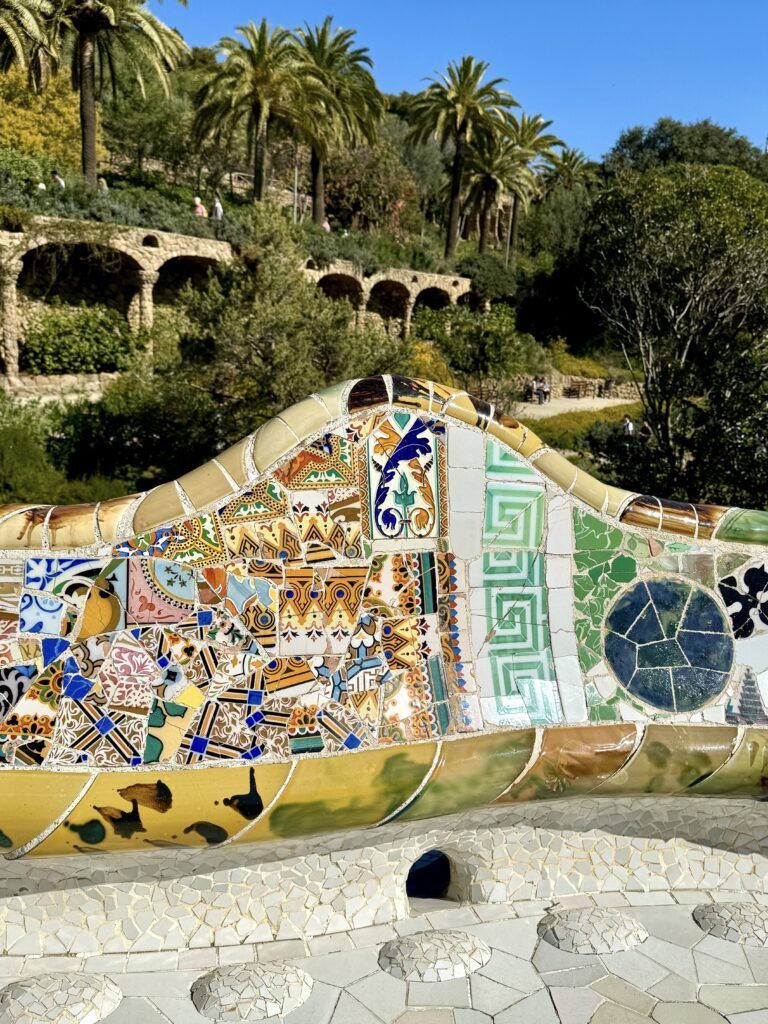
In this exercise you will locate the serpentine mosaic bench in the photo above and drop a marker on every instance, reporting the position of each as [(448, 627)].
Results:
[(390, 602)]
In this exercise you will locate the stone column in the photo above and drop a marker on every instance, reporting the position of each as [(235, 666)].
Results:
[(147, 282), (11, 326), (407, 314), (141, 312)]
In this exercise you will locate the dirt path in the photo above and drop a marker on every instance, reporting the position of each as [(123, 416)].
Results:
[(533, 411)]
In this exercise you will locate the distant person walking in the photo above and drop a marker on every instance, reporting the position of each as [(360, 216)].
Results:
[(102, 185), (200, 210), (57, 179), (646, 431), (627, 427), (327, 226), (218, 209)]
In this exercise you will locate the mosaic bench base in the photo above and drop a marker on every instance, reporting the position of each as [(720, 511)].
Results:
[(299, 889)]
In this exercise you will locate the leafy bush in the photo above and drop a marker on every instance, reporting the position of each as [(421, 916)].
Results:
[(23, 168), (79, 339), (157, 205), (579, 366), (490, 279), (27, 473), (265, 335), (170, 327), (569, 431), (484, 350), (371, 251), (13, 219), (133, 431)]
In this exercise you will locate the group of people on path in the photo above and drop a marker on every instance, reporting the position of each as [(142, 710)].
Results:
[(540, 390), (58, 182), (217, 210)]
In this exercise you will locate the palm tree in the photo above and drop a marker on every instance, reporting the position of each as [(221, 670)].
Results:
[(530, 135), (496, 167), (339, 99), (455, 108), (21, 31), (104, 39), (571, 169), (253, 85)]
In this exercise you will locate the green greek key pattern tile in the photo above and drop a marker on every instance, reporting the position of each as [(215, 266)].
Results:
[(512, 570), (514, 515), (519, 620), (502, 464), (530, 680)]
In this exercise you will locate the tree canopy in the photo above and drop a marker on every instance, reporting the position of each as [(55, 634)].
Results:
[(678, 267), (672, 142)]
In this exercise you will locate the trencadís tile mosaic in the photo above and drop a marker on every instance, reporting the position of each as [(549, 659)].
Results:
[(413, 609)]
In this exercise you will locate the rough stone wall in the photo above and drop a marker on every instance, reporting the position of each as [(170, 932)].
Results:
[(563, 385), (58, 387)]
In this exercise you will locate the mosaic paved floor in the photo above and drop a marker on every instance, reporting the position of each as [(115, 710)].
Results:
[(677, 974)]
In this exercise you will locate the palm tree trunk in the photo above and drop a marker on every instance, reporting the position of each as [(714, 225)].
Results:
[(317, 168), (485, 220), (87, 47), (295, 182), (512, 231), (454, 209), (260, 148)]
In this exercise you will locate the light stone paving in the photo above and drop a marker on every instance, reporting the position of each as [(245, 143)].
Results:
[(678, 975), (736, 922), (591, 931), (434, 956)]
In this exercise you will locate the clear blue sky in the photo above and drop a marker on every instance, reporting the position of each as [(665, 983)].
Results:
[(594, 66)]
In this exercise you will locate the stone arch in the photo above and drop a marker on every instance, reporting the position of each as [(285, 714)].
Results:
[(72, 272), (177, 271), (150, 242), (390, 300), (432, 298), (479, 865), (429, 875), (342, 286)]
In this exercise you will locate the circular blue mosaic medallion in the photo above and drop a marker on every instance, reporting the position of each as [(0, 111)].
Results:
[(669, 644)]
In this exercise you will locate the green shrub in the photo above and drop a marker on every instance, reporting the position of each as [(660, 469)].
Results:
[(170, 326), (14, 219), (490, 278), (371, 251), (79, 339), (23, 168), (27, 473), (135, 433), (484, 350), (568, 430), (599, 365)]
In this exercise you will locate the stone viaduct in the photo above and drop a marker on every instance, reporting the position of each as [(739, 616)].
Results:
[(389, 294), (96, 262), (133, 268)]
